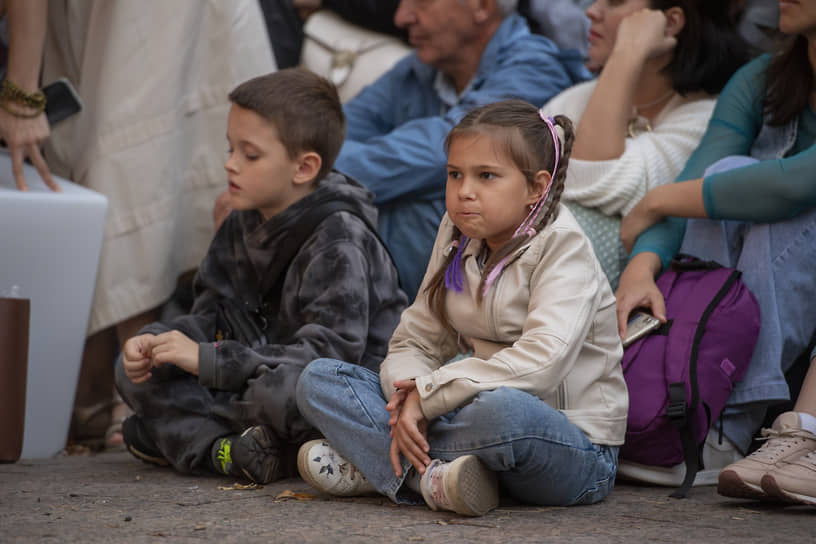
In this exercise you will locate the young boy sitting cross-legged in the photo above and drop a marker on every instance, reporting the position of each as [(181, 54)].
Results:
[(295, 273)]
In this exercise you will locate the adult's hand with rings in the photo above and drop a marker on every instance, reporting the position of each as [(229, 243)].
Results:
[(23, 136)]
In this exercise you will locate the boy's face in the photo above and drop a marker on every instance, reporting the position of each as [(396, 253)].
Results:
[(259, 169)]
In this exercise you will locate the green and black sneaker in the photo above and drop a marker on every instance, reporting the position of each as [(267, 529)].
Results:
[(253, 455)]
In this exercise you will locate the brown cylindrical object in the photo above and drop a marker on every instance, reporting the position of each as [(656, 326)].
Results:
[(14, 320)]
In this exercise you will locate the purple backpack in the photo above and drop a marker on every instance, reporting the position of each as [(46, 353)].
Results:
[(680, 376)]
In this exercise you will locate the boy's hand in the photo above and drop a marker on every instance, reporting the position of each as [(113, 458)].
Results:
[(136, 358), (408, 435), (176, 348)]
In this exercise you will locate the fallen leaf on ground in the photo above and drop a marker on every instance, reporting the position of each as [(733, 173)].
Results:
[(236, 486), (76, 449), (289, 494)]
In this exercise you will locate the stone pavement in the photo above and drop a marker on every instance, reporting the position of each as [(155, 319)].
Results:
[(112, 497)]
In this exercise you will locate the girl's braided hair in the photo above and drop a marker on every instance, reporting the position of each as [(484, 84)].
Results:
[(521, 134)]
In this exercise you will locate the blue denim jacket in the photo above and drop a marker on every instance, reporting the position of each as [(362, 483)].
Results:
[(396, 126)]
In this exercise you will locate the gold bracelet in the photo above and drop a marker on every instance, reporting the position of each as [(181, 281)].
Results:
[(9, 92), (18, 111)]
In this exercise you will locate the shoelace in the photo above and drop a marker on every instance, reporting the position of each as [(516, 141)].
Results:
[(778, 442)]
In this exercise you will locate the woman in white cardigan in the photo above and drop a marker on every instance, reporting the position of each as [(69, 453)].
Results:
[(662, 63)]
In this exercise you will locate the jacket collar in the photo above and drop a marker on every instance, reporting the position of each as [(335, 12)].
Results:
[(511, 29)]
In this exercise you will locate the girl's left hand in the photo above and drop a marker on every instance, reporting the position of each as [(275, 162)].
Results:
[(398, 398), (409, 435), (176, 348), (640, 218)]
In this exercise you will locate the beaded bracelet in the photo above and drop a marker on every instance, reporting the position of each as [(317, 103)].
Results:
[(12, 98)]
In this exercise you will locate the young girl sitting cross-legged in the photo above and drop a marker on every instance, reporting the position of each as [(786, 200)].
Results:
[(536, 407)]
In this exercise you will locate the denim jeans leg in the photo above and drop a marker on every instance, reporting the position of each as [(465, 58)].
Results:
[(344, 402), (539, 455), (776, 261), (409, 229)]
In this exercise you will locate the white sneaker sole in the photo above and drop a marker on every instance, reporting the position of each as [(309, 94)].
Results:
[(470, 487), (665, 476)]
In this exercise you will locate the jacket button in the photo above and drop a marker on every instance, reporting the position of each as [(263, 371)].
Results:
[(428, 387)]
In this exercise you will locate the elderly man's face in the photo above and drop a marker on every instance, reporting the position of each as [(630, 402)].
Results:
[(439, 29)]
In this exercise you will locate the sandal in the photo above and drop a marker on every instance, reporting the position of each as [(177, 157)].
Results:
[(99, 426), (120, 411), (90, 422)]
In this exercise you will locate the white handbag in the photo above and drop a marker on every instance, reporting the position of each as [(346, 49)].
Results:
[(348, 55)]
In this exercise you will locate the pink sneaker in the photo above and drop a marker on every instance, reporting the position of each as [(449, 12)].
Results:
[(795, 481), (786, 442), (464, 486)]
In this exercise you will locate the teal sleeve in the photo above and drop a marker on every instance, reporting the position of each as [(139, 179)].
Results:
[(773, 190), (664, 239), (734, 124)]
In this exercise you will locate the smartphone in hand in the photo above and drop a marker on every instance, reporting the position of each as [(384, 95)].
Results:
[(639, 325)]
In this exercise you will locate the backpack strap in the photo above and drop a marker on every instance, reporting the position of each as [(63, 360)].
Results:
[(681, 410), (682, 262)]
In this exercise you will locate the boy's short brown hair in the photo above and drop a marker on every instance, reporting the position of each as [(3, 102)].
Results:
[(305, 109)]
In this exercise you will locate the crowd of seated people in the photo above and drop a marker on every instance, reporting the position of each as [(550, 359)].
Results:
[(688, 127)]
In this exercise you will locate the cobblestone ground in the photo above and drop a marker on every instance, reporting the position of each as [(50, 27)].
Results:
[(112, 497)]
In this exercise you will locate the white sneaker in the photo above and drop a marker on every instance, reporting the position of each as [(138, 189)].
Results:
[(716, 456), (327, 471), (464, 486)]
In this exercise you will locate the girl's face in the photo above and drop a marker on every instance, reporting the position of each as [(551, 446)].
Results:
[(605, 16), (486, 195), (798, 17)]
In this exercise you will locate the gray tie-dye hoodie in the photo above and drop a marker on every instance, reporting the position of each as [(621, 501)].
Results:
[(340, 298)]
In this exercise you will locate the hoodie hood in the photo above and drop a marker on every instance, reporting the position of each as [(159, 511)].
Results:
[(247, 246)]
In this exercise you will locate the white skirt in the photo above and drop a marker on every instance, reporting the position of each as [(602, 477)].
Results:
[(154, 77)]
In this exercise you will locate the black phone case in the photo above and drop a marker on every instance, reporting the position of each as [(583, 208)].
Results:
[(61, 102)]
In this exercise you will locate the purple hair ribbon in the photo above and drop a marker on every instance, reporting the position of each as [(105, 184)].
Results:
[(453, 274)]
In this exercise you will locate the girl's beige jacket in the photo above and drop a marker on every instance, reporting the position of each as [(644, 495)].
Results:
[(547, 326)]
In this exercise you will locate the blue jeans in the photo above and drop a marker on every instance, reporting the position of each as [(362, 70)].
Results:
[(408, 229), (777, 261), (540, 457)]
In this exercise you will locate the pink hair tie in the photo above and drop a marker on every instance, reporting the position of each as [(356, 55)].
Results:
[(526, 226), (453, 274)]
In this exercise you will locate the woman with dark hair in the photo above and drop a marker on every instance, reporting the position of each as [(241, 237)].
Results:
[(752, 188), (662, 62)]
